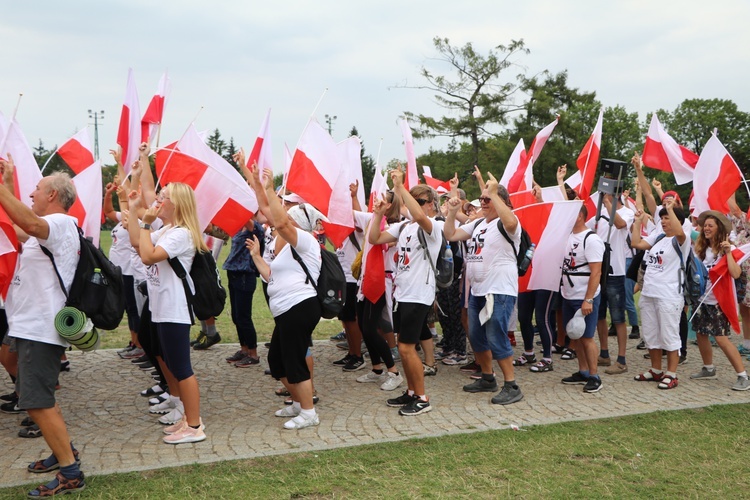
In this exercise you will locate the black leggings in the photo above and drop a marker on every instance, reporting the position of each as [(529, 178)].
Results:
[(290, 340), (369, 317), (131, 307), (150, 342)]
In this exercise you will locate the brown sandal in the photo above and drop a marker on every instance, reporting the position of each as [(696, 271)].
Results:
[(282, 392)]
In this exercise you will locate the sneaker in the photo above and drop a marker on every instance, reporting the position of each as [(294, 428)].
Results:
[(683, 359), (744, 351), (429, 371), (373, 377), (343, 361), (247, 362), (704, 374), (173, 416), (152, 391), (31, 431), (507, 395), (59, 486), (457, 359), (338, 337), (300, 422), (641, 345), (593, 384), (400, 401), (186, 435), (146, 366), (287, 411), (635, 332), (171, 429), (344, 346), (126, 350), (742, 384), (208, 341), (416, 407), (442, 355), (140, 360), (164, 407), (616, 369), (392, 382), (198, 339), (26, 422), (236, 356), (603, 361), (395, 354), (11, 396), (575, 379), (134, 353), (354, 364), (470, 367), (481, 385), (10, 407)]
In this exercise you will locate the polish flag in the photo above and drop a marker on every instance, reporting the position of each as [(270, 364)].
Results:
[(340, 219), (522, 198), (442, 187), (154, 114), (76, 152), (222, 195), (549, 224), (8, 252), (522, 178), (541, 139), (373, 265), (411, 179), (378, 188), (589, 158), (262, 153), (716, 178), (724, 289), (514, 172), (661, 152), (26, 174), (88, 205), (129, 133)]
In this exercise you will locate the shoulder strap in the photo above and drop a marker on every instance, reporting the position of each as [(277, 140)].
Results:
[(423, 242), (304, 267), (59, 278), (354, 241), (502, 230), (179, 270)]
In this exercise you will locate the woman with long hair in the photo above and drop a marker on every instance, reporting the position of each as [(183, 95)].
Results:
[(179, 238), (713, 243)]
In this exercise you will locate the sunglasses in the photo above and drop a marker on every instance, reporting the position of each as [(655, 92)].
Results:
[(485, 200), (422, 201)]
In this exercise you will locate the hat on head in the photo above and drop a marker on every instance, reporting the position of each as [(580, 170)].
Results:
[(673, 194), (476, 203), (576, 326), (306, 216), (719, 216)]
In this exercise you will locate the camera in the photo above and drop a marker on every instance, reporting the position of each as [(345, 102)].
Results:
[(612, 178)]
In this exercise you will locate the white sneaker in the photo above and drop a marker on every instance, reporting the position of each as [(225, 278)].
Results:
[(173, 416), (371, 376), (288, 411), (164, 407), (300, 422), (392, 382)]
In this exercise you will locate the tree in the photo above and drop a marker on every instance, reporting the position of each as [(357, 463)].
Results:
[(230, 152), (216, 143), (475, 95), (53, 161)]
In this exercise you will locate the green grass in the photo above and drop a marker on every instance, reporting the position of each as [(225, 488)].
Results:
[(261, 315), (692, 453)]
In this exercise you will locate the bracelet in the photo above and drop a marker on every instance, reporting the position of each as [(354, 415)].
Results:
[(145, 225)]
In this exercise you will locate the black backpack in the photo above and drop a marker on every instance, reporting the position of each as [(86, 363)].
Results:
[(523, 246), (443, 268), (331, 285), (210, 296), (103, 303)]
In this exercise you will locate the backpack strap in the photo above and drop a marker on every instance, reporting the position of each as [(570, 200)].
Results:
[(57, 272), (502, 230), (354, 241), (423, 242), (179, 270), (304, 267), (683, 272)]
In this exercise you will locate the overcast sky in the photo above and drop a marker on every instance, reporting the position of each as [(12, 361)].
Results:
[(237, 59)]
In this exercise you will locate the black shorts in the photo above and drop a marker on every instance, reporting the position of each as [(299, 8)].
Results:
[(291, 339), (38, 370), (349, 312), (410, 322)]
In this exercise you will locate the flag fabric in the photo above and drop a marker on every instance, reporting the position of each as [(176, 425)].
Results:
[(723, 285), (77, 152), (549, 224), (373, 265), (154, 114), (661, 152), (442, 187), (262, 153), (513, 170), (287, 161), (8, 252), (589, 158), (26, 175), (378, 188), (222, 196), (340, 222), (522, 198), (716, 178), (540, 140), (411, 178), (129, 132), (88, 205)]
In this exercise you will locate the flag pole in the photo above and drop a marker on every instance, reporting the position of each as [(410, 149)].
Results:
[(171, 152), (13, 119), (315, 109), (704, 297), (377, 158)]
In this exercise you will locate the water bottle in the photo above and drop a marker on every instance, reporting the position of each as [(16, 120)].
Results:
[(98, 278), (448, 256), (526, 262)]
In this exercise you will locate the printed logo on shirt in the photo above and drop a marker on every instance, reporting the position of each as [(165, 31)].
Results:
[(475, 246), (152, 274), (655, 261), (402, 256), (16, 280)]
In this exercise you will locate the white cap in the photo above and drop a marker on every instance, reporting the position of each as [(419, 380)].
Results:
[(576, 326)]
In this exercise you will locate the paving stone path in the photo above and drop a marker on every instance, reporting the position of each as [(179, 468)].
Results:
[(110, 424)]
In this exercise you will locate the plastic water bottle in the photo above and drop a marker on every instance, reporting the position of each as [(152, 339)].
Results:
[(98, 278), (526, 262), (448, 256)]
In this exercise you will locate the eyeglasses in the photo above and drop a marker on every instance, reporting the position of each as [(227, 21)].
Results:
[(422, 201), (485, 200)]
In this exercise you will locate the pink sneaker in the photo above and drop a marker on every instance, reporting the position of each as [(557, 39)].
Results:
[(173, 429), (186, 435)]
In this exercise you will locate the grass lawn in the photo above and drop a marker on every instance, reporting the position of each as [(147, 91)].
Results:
[(681, 454)]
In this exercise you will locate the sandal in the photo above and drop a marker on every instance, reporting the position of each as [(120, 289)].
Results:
[(668, 382), (39, 467), (649, 376), (557, 349), (32, 431), (282, 392), (524, 359), (568, 354), (542, 366), (288, 401), (27, 422)]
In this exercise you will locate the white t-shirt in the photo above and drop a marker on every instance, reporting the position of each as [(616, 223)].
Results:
[(491, 265), (663, 279), (286, 284), (347, 252), (710, 261), (577, 258), (35, 296), (137, 266), (166, 294), (617, 239), (119, 252), (415, 279)]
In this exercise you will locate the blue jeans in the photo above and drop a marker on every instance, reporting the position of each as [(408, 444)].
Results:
[(629, 300), (569, 308), (614, 297), (493, 335)]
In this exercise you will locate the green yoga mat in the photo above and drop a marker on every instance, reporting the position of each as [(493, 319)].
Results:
[(76, 328)]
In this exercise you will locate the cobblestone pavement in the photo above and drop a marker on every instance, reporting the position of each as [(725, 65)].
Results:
[(110, 424)]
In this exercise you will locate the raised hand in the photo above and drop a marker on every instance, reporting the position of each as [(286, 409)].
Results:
[(491, 184), (397, 176), (562, 170), (353, 188)]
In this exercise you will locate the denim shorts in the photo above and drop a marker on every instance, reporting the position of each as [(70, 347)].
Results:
[(614, 297), (493, 335), (569, 309)]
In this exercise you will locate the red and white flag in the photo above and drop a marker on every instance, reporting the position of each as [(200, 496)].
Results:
[(222, 195), (373, 265), (154, 114), (378, 188), (88, 205), (716, 178), (522, 198), (8, 252), (77, 152), (340, 222), (262, 153), (516, 170), (411, 178), (129, 133), (663, 153), (589, 158), (540, 140), (549, 224), (442, 187), (26, 174), (723, 285)]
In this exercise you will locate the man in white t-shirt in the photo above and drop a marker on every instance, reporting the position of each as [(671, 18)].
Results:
[(492, 274), (34, 298)]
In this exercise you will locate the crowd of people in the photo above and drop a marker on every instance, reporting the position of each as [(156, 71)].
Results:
[(479, 311)]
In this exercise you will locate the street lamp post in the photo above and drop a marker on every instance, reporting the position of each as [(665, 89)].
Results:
[(96, 115), (329, 120)]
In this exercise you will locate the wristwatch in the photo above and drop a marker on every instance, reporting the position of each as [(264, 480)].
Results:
[(145, 225), (589, 301)]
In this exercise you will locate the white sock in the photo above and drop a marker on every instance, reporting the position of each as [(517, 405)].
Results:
[(671, 374), (307, 414), (743, 374), (296, 406), (708, 367), (433, 331)]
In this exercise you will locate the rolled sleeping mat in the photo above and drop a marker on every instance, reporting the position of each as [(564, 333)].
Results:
[(76, 329)]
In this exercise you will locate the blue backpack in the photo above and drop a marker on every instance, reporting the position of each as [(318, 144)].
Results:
[(694, 275)]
